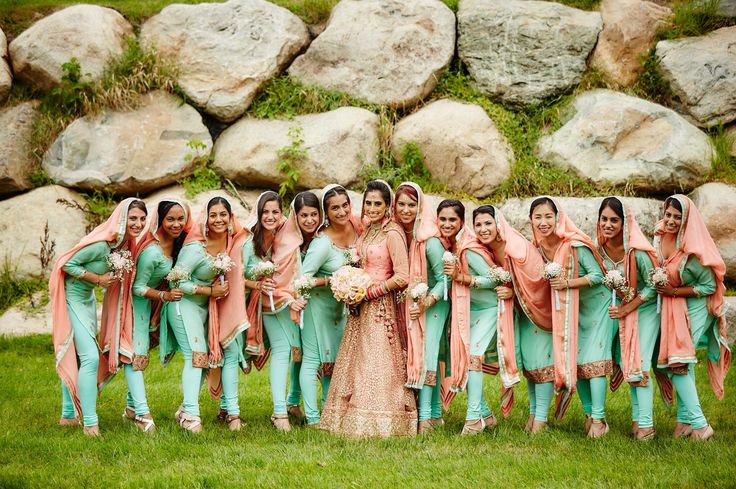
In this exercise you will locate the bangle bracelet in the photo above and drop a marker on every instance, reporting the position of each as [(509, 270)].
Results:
[(161, 296)]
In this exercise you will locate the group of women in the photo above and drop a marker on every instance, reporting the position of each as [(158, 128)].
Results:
[(448, 302)]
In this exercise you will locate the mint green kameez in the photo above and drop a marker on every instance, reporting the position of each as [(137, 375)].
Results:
[(82, 307)]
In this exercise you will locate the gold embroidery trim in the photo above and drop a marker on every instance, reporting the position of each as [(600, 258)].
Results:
[(476, 363), (595, 369), (540, 375), (140, 362), (430, 378), (199, 359), (678, 370), (325, 369), (296, 354), (643, 382)]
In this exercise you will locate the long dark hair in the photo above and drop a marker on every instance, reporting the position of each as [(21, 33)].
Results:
[(484, 209), (302, 200), (614, 204), (163, 209), (453, 204), (333, 192), (541, 201), (258, 231)]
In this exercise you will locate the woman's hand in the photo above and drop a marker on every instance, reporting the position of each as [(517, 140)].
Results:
[(220, 290), (267, 285), (617, 312), (451, 269), (298, 305), (666, 289), (173, 295), (504, 292), (414, 311), (559, 283), (106, 280)]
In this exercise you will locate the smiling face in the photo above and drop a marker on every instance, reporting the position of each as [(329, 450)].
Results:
[(672, 220), (544, 220), (485, 229), (271, 215), (218, 219), (136, 222), (406, 209), (374, 207), (174, 222), (611, 224), (308, 219), (338, 209), (449, 222)]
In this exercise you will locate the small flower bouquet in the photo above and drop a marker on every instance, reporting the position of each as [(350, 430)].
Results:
[(119, 262), (657, 278), (615, 281), (448, 259), (221, 264), (502, 277), (417, 293), (350, 284), (351, 256), (550, 271), (175, 278), (266, 269), (303, 287)]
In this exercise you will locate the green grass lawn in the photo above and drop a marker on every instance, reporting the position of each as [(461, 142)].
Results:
[(35, 452)]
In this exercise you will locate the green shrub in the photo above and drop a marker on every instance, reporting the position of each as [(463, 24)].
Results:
[(14, 289)]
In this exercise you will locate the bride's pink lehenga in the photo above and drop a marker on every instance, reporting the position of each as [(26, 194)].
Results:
[(367, 396)]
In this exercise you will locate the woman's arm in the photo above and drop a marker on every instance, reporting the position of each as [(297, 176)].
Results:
[(93, 252)]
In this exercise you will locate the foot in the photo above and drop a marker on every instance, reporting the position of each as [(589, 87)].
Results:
[(538, 426), (281, 422), (587, 423), (221, 416), (682, 430), (295, 412), (529, 423), (437, 422), (424, 427), (702, 434), (145, 423), (645, 434), (634, 429), (233, 422), (490, 422), (93, 431), (598, 428), (188, 421), (473, 427), (129, 413), (68, 421)]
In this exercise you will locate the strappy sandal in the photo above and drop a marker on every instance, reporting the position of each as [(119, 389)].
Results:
[(281, 422), (129, 413), (69, 422), (645, 434), (145, 424), (703, 434), (93, 431), (188, 422), (424, 427), (538, 427), (471, 427), (437, 422), (599, 434), (233, 422), (682, 430), (296, 412), (490, 422)]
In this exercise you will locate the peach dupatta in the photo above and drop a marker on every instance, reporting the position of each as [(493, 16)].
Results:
[(565, 321), (115, 318), (676, 344), (227, 316)]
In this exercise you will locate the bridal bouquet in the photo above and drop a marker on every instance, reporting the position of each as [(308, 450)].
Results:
[(303, 287), (175, 278), (350, 284), (615, 281), (550, 271), (119, 262), (266, 269), (501, 277), (658, 278), (448, 259), (418, 292), (221, 264)]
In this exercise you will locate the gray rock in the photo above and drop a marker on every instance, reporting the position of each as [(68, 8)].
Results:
[(16, 158), (730, 320), (226, 51), (129, 152), (522, 52), (717, 204), (336, 145), (702, 74), (28, 317), (199, 201), (6, 75), (388, 52), (460, 144), (622, 140), (94, 35), (726, 8)]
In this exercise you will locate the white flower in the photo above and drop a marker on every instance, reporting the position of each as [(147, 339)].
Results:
[(119, 263), (221, 263), (418, 291), (350, 284), (176, 276), (303, 286), (499, 275), (448, 258), (264, 269), (351, 256), (615, 280), (552, 270), (658, 277)]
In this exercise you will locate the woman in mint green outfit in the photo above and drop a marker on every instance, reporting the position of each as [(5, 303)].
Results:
[(156, 253), (692, 310), (269, 303), (324, 317), (188, 320), (624, 248), (71, 289), (428, 315)]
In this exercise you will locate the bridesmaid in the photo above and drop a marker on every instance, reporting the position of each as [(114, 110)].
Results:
[(71, 291), (368, 396), (475, 306), (692, 310), (215, 231), (583, 332), (428, 315), (155, 255), (324, 317), (624, 247), (281, 331)]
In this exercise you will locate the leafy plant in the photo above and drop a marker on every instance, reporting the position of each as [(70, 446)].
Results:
[(290, 157), (724, 165), (651, 84), (694, 18), (97, 207), (203, 178), (13, 288), (73, 94)]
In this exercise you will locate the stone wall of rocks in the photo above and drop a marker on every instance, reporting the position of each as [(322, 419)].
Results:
[(389, 52)]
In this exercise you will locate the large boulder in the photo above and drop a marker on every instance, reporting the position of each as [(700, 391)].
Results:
[(130, 152), (521, 52), (330, 147), (6, 75), (226, 51), (16, 158), (702, 74), (731, 135), (31, 316), (390, 52), (21, 235), (241, 205), (717, 204), (731, 317), (91, 34), (460, 145), (629, 29), (616, 139), (584, 213)]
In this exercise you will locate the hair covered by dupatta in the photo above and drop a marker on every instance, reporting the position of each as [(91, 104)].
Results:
[(676, 343), (113, 231), (227, 315)]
